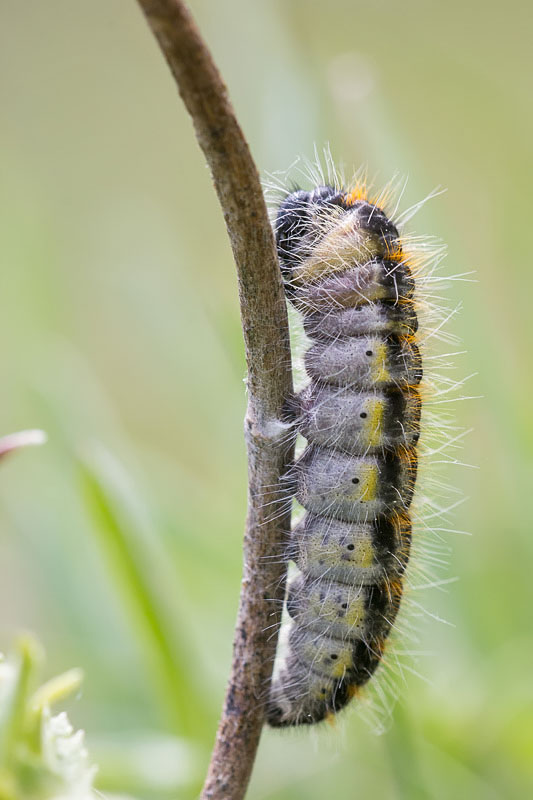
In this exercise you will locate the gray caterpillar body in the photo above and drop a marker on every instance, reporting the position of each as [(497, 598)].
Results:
[(346, 272)]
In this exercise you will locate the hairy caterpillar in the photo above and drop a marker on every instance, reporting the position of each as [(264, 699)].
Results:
[(346, 271)]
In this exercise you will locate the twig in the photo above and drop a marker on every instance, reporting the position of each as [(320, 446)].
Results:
[(265, 327)]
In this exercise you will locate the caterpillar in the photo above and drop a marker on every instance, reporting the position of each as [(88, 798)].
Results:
[(347, 272)]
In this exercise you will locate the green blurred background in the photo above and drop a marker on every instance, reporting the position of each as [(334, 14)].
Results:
[(119, 333)]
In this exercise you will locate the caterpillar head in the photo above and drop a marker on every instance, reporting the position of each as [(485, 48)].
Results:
[(302, 219), (329, 230)]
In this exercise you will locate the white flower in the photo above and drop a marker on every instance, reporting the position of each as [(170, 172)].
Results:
[(66, 757)]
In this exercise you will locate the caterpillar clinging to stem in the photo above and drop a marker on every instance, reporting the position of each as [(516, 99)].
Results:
[(346, 271), (315, 281)]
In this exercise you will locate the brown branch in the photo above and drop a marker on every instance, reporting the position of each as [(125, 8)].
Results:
[(265, 327)]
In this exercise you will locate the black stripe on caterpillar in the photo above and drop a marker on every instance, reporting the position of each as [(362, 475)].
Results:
[(346, 272)]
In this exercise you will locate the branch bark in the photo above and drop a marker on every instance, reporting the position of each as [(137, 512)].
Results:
[(266, 337)]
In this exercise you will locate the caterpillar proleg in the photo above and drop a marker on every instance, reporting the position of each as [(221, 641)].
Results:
[(348, 273)]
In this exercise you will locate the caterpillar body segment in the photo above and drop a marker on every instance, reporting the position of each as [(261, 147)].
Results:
[(356, 421), (346, 272)]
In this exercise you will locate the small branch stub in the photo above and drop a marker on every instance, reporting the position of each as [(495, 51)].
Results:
[(266, 337)]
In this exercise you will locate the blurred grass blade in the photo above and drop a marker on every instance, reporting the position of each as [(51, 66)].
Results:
[(57, 689), (15, 696), (168, 656)]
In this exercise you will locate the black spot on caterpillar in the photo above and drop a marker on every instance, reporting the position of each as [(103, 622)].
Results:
[(346, 271)]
